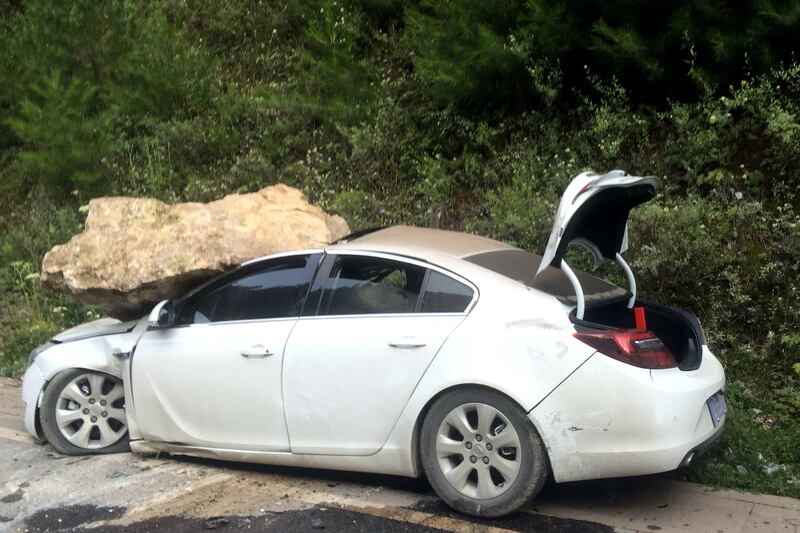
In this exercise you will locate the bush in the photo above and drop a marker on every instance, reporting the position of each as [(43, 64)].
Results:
[(66, 140), (758, 450), (30, 314), (78, 75)]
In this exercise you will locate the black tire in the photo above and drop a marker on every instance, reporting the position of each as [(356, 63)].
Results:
[(47, 417), (533, 467)]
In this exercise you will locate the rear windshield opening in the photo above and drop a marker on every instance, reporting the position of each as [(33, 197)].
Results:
[(520, 265)]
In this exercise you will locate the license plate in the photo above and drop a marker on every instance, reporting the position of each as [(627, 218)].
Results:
[(717, 407)]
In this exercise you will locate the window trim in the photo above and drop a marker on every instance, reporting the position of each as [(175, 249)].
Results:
[(252, 267), (326, 264)]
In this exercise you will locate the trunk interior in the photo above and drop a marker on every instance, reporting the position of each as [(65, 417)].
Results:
[(678, 329)]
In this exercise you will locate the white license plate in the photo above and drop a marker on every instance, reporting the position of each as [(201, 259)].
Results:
[(717, 407)]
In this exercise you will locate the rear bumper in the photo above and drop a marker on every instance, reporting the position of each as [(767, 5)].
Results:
[(610, 419), (703, 447)]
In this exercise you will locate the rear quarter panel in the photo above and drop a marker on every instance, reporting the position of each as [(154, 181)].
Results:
[(610, 419), (516, 340)]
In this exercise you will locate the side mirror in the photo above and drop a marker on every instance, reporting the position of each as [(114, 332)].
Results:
[(162, 315)]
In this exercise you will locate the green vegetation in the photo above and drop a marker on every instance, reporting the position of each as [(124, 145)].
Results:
[(465, 115)]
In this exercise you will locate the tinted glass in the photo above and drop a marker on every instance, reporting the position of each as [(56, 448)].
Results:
[(368, 285), (273, 291), (443, 294), (520, 266)]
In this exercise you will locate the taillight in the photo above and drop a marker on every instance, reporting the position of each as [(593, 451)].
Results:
[(637, 347)]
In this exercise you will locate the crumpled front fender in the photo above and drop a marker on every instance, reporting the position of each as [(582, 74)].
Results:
[(93, 353)]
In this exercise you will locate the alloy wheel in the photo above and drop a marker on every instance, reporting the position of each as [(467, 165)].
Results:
[(478, 451), (90, 411)]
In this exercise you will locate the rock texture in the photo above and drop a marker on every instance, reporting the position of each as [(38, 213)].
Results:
[(137, 251)]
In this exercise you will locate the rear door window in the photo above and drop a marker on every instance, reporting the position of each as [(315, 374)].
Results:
[(364, 285)]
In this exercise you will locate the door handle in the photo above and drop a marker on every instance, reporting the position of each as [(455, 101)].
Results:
[(256, 351), (406, 343)]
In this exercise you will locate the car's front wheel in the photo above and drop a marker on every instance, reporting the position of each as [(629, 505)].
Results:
[(481, 454), (83, 412)]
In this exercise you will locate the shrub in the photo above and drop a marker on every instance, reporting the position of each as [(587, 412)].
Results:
[(30, 314)]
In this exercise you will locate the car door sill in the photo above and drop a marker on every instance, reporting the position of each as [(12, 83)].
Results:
[(146, 446), (386, 461)]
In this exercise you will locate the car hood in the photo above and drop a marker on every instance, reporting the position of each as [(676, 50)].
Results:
[(95, 328)]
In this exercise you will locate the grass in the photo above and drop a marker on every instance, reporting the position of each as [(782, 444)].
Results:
[(758, 451)]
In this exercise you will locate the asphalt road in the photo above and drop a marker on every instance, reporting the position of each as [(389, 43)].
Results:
[(41, 490)]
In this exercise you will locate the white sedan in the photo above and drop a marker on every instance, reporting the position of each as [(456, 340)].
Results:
[(404, 351)]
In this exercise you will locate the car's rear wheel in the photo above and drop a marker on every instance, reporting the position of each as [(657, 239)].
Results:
[(481, 454), (83, 412)]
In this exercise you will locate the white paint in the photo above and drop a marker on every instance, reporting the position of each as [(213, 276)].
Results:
[(345, 385), (578, 192), (611, 419), (94, 353), (580, 301), (631, 279), (192, 384)]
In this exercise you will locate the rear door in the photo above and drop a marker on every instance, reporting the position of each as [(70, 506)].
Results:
[(376, 322)]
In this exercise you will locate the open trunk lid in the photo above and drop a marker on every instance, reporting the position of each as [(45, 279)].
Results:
[(593, 213)]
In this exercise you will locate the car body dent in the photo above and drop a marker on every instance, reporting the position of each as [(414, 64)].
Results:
[(171, 364), (516, 352), (78, 351), (525, 362), (523, 352), (647, 421), (389, 460), (95, 328), (320, 410), (316, 408)]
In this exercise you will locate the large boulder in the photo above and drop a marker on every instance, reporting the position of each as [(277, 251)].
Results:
[(137, 251)]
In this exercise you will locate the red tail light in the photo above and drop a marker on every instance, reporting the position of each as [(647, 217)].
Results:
[(637, 347)]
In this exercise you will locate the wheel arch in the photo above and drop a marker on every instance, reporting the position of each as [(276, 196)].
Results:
[(417, 429), (93, 354), (102, 442)]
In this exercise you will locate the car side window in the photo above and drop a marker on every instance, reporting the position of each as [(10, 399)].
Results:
[(273, 290), (360, 285), (443, 294)]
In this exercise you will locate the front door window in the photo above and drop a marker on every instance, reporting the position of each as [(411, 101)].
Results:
[(273, 290)]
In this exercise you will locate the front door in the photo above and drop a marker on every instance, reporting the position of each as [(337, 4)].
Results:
[(214, 378), (350, 369)]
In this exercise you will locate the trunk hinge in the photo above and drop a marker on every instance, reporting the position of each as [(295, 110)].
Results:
[(631, 280), (579, 296), (576, 285)]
